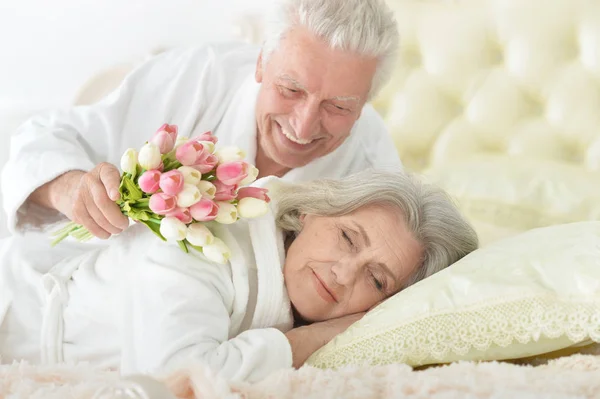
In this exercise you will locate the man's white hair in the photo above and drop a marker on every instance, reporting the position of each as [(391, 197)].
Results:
[(364, 27)]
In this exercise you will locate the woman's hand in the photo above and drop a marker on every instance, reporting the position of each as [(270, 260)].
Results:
[(308, 339)]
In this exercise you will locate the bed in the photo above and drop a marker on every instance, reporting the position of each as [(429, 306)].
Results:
[(498, 101)]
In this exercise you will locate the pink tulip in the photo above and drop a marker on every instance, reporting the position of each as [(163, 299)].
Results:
[(224, 192), (191, 153), (208, 136), (164, 140), (171, 129), (231, 173), (149, 181), (161, 203), (183, 214), (207, 165), (204, 210), (171, 182), (253, 192)]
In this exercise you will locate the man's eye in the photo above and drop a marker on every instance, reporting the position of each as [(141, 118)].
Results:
[(289, 90), (338, 109)]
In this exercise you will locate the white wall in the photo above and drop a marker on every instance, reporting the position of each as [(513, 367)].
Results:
[(48, 49)]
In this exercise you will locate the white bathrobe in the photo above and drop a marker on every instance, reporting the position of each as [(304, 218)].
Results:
[(143, 305), (201, 89)]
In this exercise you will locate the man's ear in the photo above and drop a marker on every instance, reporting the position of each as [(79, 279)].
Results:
[(258, 74)]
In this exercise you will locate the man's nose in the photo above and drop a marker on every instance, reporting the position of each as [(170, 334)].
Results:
[(307, 120)]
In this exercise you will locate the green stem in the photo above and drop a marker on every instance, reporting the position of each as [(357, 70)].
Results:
[(183, 246), (197, 248)]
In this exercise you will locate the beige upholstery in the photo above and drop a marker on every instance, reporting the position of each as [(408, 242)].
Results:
[(513, 77)]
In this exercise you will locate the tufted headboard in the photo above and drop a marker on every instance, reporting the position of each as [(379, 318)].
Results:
[(512, 77)]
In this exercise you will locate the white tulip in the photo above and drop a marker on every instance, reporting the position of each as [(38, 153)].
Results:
[(208, 146), (230, 154), (149, 156), (188, 196), (173, 229), (252, 175), (227, 213), (129, 161), (252, 207), (207, 189), (190, 175), (217, 251), (199, 235), (181, 140)]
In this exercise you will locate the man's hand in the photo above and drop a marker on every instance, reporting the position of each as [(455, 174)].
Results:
[(308, 339), (86, 198)]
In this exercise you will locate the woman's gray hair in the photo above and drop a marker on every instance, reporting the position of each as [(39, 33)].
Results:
[(427, 210), (364, 27)]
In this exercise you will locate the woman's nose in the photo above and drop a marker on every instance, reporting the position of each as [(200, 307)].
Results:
[(345, 271)]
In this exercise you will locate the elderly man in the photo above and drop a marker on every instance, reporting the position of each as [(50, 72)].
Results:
[(296, 106)]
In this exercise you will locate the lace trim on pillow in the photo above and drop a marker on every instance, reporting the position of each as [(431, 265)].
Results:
[(429, 340)]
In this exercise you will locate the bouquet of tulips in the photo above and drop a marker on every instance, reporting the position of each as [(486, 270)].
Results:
[(178, 187)]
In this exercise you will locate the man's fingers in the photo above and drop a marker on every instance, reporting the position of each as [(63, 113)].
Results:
[(99, 205), (84, 218), (101, 221), (111, 179), (110, 211)]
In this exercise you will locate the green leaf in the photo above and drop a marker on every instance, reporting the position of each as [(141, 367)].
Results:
[(183, 246), (155, 228), (139, 214), (123, 188), (134, 192), (138, 172)]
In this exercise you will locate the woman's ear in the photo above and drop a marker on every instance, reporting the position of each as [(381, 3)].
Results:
[(301, 218)]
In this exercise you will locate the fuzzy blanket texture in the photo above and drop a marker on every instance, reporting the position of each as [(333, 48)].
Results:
[(576, 376)]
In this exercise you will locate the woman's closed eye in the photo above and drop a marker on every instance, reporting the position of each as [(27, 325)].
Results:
[(347, 238), (378, 283)]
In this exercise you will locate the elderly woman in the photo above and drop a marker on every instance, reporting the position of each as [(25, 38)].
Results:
[(329, 251)]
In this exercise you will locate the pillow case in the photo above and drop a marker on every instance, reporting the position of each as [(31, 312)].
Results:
[(502, 196), (534, 293)]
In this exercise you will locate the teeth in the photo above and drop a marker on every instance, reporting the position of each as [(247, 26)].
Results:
[(295, 139)]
